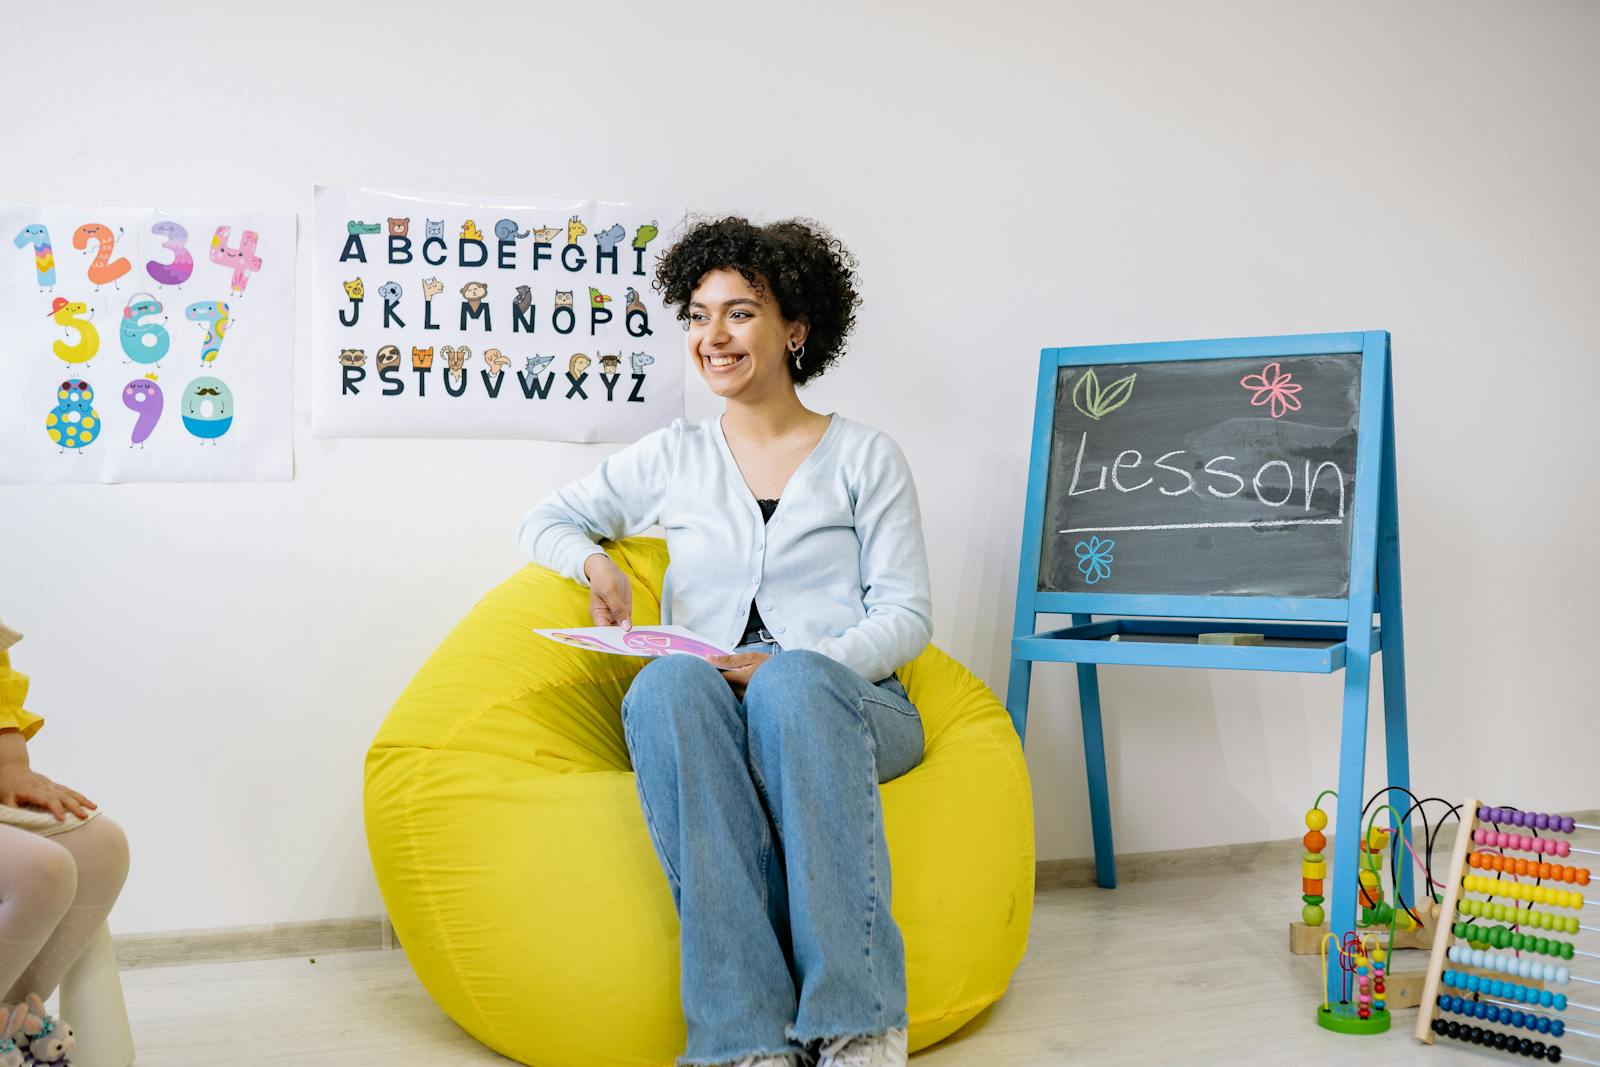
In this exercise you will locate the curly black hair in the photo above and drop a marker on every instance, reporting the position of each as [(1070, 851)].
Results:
[(806, 269)]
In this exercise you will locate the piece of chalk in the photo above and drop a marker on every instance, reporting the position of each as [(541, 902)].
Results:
[(1230, 639)]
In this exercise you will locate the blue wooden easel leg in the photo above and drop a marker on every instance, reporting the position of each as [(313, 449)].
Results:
[(1347, 824), (1394, 648), (1094, 762), (1017, 696)]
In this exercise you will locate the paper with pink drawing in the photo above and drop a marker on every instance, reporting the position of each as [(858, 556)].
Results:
[(639, 641)]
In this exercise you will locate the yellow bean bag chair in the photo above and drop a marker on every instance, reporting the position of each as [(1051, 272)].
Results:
[(507, 838)]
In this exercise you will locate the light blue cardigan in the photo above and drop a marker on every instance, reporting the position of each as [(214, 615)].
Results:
[(841, 569)]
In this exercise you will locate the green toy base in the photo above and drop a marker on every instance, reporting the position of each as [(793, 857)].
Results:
[(1342, 1019)]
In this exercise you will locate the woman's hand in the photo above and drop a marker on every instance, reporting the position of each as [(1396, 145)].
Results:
[(738, 668), (19, 786), (610, 595)]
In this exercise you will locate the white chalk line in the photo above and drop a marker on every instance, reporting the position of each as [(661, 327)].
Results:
[(1205, 525)]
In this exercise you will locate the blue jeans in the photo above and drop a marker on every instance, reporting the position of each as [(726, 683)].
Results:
[(766, 818)]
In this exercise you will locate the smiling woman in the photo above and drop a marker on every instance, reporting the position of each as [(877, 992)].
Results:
[(796, 268), (756, 780)]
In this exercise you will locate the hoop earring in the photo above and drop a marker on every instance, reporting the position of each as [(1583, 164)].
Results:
[(799, 352)]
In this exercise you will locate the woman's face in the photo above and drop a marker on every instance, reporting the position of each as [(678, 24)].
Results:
[(738, 337)]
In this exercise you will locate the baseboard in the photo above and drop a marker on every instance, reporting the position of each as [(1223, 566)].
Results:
[(328, 936), (1079, 873), (323, 937)]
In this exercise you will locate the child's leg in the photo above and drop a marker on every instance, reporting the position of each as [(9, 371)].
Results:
[(100, 852), (38, 879)]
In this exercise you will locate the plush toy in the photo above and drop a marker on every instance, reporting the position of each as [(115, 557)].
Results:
[(46, 1040), (10, 1029)]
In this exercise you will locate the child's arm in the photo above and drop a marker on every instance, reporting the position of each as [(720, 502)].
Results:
[(20, 785)]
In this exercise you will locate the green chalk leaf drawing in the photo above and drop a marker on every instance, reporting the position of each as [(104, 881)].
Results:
[(1089, 398)]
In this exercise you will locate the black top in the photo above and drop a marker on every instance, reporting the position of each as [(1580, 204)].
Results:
[(767, 508)]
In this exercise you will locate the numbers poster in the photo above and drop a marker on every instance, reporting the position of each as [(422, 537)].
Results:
[(146, 346), (447, 316)]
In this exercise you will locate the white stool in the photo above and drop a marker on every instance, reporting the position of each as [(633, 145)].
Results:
[(91, 1000)]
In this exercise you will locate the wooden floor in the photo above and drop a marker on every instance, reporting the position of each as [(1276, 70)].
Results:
[(1166, 970)]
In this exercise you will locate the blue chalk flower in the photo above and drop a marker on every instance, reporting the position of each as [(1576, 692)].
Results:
[(1094, 559)]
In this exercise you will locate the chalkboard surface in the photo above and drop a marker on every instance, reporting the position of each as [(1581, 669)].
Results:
[(1217, 477)]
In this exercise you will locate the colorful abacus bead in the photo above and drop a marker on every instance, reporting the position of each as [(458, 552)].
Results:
[(1521, 842), (1526, 868), (1538, 894), (1560, 824)]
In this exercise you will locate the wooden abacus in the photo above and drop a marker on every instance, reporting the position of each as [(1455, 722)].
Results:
[(1482, 846)]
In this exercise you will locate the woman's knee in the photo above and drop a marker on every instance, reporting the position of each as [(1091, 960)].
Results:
[(791, 677), (793, 687), (671, 674), (671, 689)]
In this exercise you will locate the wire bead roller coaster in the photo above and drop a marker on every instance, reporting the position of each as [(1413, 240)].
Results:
[(1365, 954), (1525, 1020)]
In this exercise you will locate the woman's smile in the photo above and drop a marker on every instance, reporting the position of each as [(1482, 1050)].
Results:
[(739, 338)]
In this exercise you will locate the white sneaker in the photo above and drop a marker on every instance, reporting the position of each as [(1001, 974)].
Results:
[(873, 1050)]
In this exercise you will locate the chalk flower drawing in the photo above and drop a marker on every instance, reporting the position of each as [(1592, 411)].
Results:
[(1089, 398), (1094, 559), (1273, 388)]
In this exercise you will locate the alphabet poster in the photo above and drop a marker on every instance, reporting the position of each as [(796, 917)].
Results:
[(139, 345), (442, 316)]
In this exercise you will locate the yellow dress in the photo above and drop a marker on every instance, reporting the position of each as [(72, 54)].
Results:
[(13, 690)]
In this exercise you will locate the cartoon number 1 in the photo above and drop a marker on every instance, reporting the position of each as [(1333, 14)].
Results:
[(102, 271), (44, 260), (243, 259)]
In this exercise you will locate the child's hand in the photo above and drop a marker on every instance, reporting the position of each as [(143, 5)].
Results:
[(20, 786), (738, 668)]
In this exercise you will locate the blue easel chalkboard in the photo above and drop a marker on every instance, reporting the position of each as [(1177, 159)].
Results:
[(1177, 488)]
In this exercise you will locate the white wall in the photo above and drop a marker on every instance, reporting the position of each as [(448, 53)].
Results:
[(1012, 175)]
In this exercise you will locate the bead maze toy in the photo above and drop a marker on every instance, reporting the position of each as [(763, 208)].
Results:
[(1360, 971), (1482, 865), (1365, 984)]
